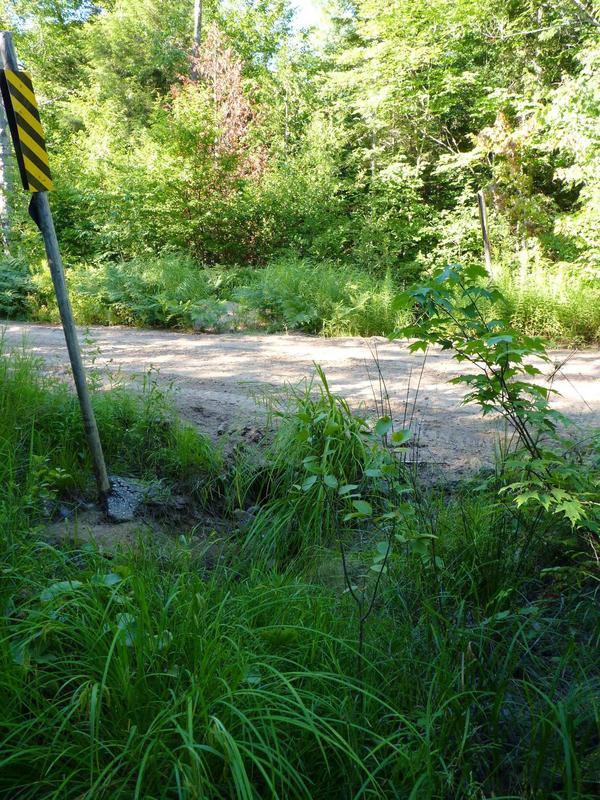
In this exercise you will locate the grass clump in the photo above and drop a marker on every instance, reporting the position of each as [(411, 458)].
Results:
[(156, 682), (42, 448), (321, 457)]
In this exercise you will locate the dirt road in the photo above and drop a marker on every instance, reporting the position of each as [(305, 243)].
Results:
[(219, 378)]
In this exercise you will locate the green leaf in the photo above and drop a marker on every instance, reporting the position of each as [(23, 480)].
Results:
[(364, 509), (309, 483), (253, 676), (531, 370), (494, 340), (109, 579), (474, 271), (62, 587), (449, 273), (163, 639), (127, 623), (401, 437), (402, 301), (331, 481), (572, 509), (347, 488), (383, 426)]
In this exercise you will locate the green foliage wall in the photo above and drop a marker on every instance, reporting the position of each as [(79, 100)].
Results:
[(365, 148)]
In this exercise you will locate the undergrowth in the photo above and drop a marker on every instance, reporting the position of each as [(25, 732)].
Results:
[(560, 304), (289, 294), (42, 454), (326, 298), (322, 456), (173, 291), (361, 635)]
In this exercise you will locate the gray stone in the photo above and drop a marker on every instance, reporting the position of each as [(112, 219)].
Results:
[(125, 498)]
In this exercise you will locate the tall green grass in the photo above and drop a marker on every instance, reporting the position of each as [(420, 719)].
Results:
[(42, 443), (321, 456), (558, 303), (289, 294), (172, 291), (150, 677)]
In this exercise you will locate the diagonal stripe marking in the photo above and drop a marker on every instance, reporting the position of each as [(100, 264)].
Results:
[(21, 87), (36, 173), (37, 162), (34, 186), (33, 146), (29, 131), (27, 116), (26, 78)]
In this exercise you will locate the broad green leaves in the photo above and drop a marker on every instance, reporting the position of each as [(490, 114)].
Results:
[(456, 314)]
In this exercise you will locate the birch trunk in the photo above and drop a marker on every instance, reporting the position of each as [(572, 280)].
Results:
[(196, 39), (5, 182)]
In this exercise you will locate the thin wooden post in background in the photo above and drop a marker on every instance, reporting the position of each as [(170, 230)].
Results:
[(39, 209), (487, 252)]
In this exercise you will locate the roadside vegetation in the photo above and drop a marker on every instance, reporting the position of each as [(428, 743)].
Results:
[(313, 615), (289, 180), (347, 630)]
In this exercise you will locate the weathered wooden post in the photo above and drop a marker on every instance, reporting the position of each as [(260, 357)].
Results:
[(27, 136), (487, 252)]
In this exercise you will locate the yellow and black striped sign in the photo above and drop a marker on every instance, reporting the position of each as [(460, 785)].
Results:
[(26, 129)]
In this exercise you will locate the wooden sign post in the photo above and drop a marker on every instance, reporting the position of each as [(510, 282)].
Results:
[(483, 221), (32, 158)]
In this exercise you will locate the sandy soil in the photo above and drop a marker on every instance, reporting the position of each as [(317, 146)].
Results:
[(219, 378)]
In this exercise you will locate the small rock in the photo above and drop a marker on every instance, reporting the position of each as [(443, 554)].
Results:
[(65, 512), (125, 499)]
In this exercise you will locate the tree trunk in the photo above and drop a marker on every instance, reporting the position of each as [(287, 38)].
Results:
[(286, 133), (196, 39)]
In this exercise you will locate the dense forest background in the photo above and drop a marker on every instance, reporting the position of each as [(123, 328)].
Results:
[(298, 179)]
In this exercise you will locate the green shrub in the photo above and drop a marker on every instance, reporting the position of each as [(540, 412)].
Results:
[(321, 454), (558, 303), (294, 294), (162, 291), (174, 291), (15, 288)]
